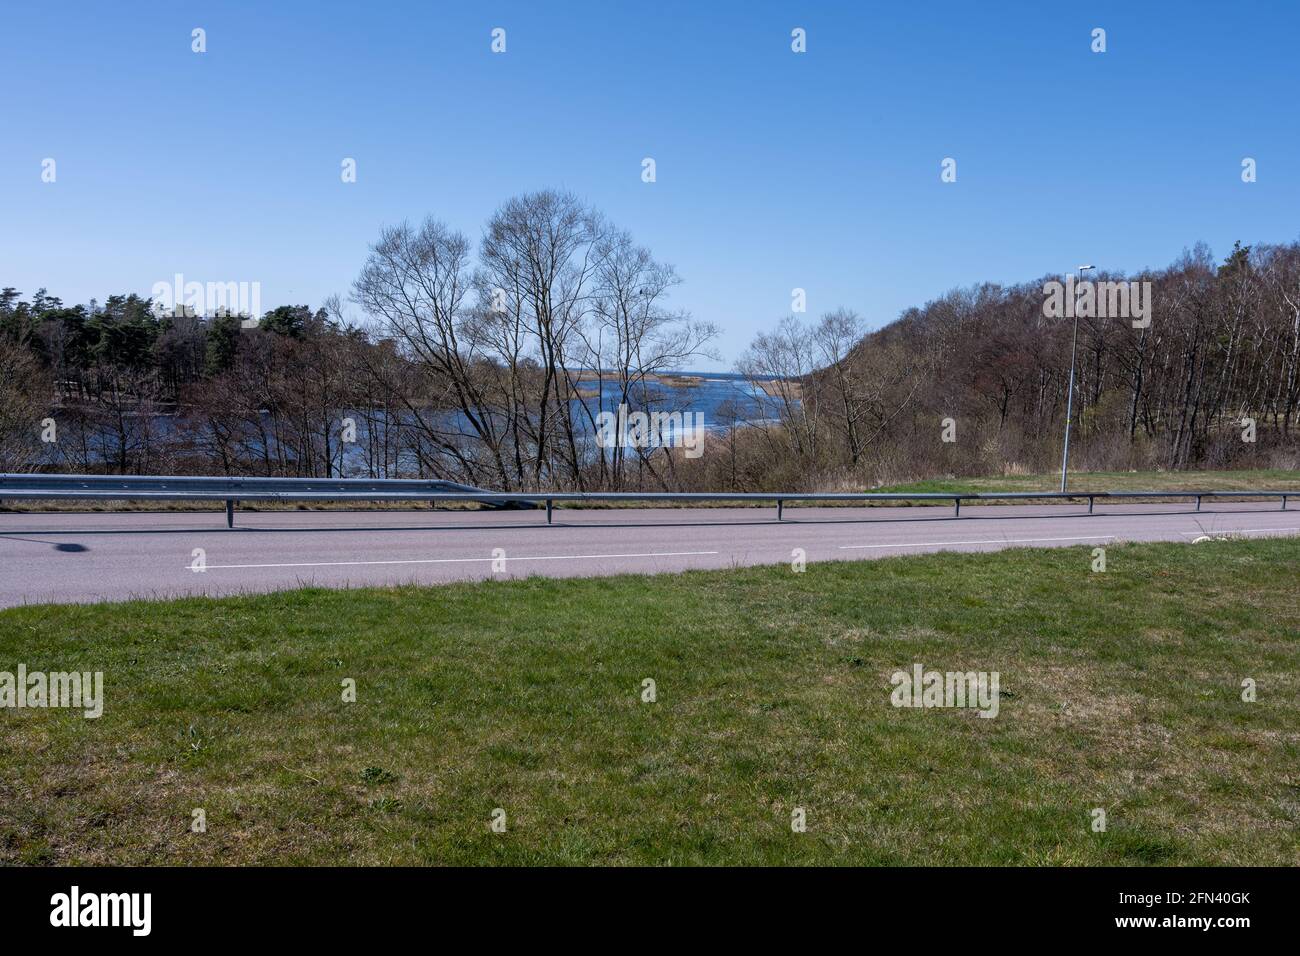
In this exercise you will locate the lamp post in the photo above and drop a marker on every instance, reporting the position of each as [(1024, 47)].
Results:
[(1069, 398)]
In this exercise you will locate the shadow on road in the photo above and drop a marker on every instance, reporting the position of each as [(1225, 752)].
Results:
[(66, 546)]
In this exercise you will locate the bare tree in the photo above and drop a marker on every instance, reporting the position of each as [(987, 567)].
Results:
[(633, 336), (416, 282)]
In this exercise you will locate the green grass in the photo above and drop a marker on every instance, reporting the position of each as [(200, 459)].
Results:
[(1258, 479), (1120, 690)]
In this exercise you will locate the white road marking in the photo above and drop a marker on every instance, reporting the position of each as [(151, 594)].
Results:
[(1238, 531), (547, 557), (939, 544)]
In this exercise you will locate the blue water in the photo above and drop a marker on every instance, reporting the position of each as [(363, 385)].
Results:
[(720, 397)]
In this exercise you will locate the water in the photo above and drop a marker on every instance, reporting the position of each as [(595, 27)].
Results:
[(721, 398)]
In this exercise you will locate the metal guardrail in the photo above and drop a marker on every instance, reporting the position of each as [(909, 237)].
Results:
[(232, 490)]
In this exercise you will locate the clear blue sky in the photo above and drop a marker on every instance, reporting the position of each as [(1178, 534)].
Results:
[(775, 170)]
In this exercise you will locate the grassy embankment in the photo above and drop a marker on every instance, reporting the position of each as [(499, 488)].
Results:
[(1246, 480), (1120, 690), (1259, 479)]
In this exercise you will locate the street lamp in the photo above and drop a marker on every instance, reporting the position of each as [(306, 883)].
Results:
[(1069, 398)]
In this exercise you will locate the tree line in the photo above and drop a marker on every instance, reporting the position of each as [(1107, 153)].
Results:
[(485, 363), (1211, 381), (488, 361)]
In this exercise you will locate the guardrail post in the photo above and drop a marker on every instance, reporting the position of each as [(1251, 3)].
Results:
[(1198, 502), (780, 507), (548, 510), (1284, 497), (1091, 499), (957, 502), (230, 513)]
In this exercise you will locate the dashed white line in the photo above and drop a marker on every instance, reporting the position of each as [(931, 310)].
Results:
[(508, 560), (1237, 531)]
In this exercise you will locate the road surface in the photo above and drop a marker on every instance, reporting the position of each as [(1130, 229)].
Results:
[(76, 557)]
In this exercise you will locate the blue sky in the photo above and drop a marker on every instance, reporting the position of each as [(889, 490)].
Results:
[(775, 170)]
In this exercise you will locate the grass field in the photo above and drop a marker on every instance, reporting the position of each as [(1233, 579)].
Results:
[(1119, 690)]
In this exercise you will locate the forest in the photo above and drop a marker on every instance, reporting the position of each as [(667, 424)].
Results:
[(489, 361)]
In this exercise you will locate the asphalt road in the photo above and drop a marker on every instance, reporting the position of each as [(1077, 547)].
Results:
[(74, 557)]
